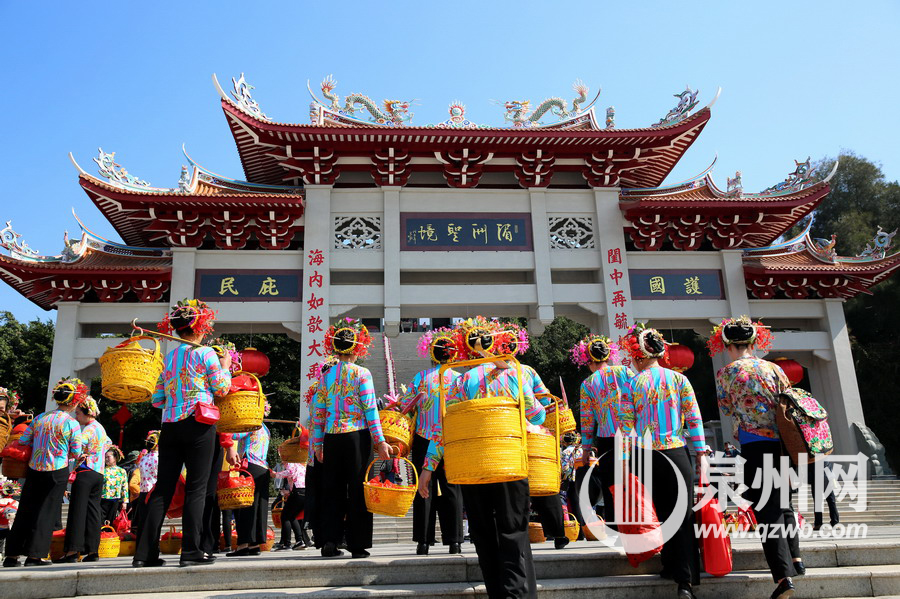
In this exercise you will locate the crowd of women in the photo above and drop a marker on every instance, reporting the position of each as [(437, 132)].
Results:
[(654, 402)]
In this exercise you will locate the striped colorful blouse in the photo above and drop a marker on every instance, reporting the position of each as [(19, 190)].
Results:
[(345, 403), (94, 444), (54, 437), (428, 410), (748, 391), (537, 384), (254, 445), (487, 380), (190, 376), (665, 405), (115, 483), (602, 402)]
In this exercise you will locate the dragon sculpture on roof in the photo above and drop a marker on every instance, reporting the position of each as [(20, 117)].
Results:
[(394, 112), (520, 114)]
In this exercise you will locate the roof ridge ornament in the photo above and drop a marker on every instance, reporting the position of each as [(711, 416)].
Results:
[(9, 240), (244, 100), (735, 185), (687, 101), (106, 164), (802, 176), (458, 117), (519, 112), (878, 248), (392, 112)]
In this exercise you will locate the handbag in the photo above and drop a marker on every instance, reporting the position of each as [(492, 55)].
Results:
[(206, 413), (715, 544)]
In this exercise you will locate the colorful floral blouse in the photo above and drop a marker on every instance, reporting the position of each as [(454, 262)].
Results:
[(295, 473), (345, 403), (537, 385), (568, 457), (602, 402), (148, 466), (254, 445), (54, 438), (428, 410), (115, 483), (748, 391), (487, 380), (191, 375), (665, 405), (94, 444)]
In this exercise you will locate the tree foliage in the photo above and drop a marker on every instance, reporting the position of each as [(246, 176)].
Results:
[(25, 351)]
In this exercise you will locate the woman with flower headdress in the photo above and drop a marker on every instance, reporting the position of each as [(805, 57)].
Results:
[(146, 473), (191, 376), (53, 437), (497, 512), (115, 485), (439, 346), (748, 389), (664, 407), (346, 426), (9, 401), (83, 522), (605, 403), (251, 520)]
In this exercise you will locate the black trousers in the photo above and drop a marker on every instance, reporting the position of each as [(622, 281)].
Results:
[(498, 525), (605, 470), (41, 499), (680, 554), (346, 457), (183, 444), (777, 544), (595, 489), (139, 513), (209, 538), (251, 521), (833, 515), (550, 513), (83, 522), (109, 509), (448, 506), (293, 505), (313, 512)]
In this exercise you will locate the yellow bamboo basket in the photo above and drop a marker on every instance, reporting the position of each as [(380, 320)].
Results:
[(484, 439), (109, 542), (397, 429), (170, 545), (127, 548), (129, 371), (536, 532), (241, 411), (270, 540), (5, 429), (235, 498), (390, 501), (566, 416), (594, 531), (57, 544), (571, 526), (544, 462), (277, 509), (291, 451)]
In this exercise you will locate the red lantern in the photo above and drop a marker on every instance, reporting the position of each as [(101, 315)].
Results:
[(791, 368), (680, 358), (253, 360)]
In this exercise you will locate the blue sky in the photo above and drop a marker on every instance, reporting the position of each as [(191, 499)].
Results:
[(798, 79)]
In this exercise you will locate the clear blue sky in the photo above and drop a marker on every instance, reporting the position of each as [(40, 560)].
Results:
[(798, 79)]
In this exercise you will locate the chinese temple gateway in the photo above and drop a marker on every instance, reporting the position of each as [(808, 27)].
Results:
[(362, 213)]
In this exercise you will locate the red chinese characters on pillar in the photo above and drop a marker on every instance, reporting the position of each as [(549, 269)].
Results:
[(614, 256), (316, 257), (616, 276), (315, 324)]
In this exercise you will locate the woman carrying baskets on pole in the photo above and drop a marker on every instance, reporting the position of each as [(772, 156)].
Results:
[(437, 345), (345, 428), (53, 437), (83, 521), (190, 378), (252, 520), (748, 390), (497, 512)]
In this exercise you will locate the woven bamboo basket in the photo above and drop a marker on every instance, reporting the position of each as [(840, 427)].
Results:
[(544, 462), (277, 509), (170, 544), (232, 545), (5, 429), (129, 371), (14, 469), (270, 540), (572, 528), (241, 411), (565, 414), (109, 542), (397, 429), (390, 501), (595, 531), (292, 451), (536, 532), (57, 544), (484, 439), (235, 498), (127, 548)]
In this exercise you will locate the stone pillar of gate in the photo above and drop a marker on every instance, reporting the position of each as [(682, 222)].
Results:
[(66, 334), (318, 238), (543, 313), (390, 242), (609, 231), (184, 272), (738, 304)]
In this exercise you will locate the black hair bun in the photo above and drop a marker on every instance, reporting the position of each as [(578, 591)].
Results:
[(487, 340), (344, 341), (62, 395), (181, 322), (654, 343), (738, 333), (443, 350), (598, 350)]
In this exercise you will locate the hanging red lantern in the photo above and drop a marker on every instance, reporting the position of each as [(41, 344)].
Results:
[(253, 360), (791, 368), (680, 358)]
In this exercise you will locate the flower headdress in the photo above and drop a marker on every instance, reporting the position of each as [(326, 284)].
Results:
[(90, 407), (10, 488), (591, 349), (223, 347), (514, 340), (759, 335), (636, 342), (348, 336), (198, 313), (152, 437), (442, 337), (116, 452), (12, 396), (470, 330), (70, 391)]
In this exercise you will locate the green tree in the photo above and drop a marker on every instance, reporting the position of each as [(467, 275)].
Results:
[(25, 351)]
